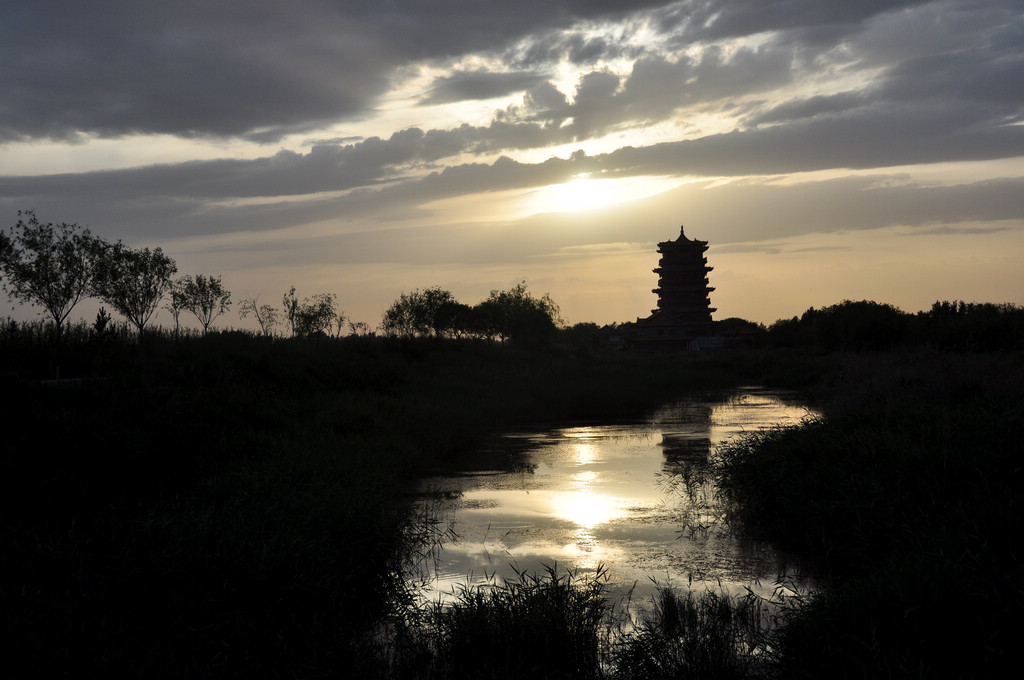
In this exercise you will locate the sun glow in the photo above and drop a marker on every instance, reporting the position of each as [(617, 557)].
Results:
[(586, 508), (584, 193)]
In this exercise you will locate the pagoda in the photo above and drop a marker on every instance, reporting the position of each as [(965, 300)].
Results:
[(683, 291), (683, 316)]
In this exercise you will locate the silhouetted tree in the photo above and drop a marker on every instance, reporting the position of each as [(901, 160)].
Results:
[(266, 316), (50, 265), (290, 307), (313, 316), (971, 326), (317, 315), (358, 327), (454, 319), (205, 297), (582, 335), (515, 314), (176, 303), (133, 282), (851, 326), (422, 312)]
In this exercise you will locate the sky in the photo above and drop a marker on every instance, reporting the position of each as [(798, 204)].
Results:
[(825, 150)]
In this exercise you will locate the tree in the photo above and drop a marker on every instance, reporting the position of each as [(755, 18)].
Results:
[(454, 319), (317, 316), (398, 319), (358, 328), (423, 312), (515, 314), (133, 282), (205, 297), (290, 304), (50, 265), (312, 317), (266, 316), (176, 305)]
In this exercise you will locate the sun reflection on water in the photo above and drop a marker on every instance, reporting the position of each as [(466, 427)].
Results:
[(585, 508), (598, 496)]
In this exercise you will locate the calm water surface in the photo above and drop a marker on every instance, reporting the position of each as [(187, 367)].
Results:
[(630, 497)]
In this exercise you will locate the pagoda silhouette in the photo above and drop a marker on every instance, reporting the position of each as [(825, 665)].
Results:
[(683, 317)]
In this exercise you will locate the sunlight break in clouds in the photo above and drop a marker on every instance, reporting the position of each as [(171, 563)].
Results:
[(383, 148), (584, 193)]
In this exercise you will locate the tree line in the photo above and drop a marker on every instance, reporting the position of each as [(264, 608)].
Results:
[(866, 326), (513, 314), (56, 266)]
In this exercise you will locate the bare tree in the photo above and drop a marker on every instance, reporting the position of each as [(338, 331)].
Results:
[(266, 316), (290, 304), (176, 304)]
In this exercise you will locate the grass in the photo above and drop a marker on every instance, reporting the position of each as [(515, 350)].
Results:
[(232, 505), (697, 635), (905, 497), (562, 625), (541, 626)]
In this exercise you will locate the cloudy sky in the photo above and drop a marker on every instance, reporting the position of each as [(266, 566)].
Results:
[(826, 150)]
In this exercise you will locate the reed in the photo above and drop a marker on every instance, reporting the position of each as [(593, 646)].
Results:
[(905, 498), (545, 625), (697, 635), (239, 505)]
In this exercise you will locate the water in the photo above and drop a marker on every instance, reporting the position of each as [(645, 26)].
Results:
[(631, 498)]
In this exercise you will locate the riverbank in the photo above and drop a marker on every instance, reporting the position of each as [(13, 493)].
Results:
[(232, 505), (906, 498)]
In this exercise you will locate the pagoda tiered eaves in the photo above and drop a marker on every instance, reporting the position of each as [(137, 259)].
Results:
[(683, 290)]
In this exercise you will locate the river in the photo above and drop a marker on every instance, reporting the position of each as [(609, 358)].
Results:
[(630, 497)]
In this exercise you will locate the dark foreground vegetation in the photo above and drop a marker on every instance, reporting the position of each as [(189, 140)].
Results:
[(238, 505)]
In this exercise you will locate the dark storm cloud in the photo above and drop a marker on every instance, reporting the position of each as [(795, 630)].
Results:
[(259, 67), (264, 69)]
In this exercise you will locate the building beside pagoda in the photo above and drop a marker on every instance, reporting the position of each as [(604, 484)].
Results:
[(682, 319)]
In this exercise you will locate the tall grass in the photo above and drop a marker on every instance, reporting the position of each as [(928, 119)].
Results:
[(906, 497), (563, 625), (698, 635), (237, 505), (233, 505), (541, 626)]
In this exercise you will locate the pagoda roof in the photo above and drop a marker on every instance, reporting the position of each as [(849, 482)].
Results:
[(683, 240)]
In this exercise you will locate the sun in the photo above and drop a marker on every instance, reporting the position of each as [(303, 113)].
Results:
[(583, 193)]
